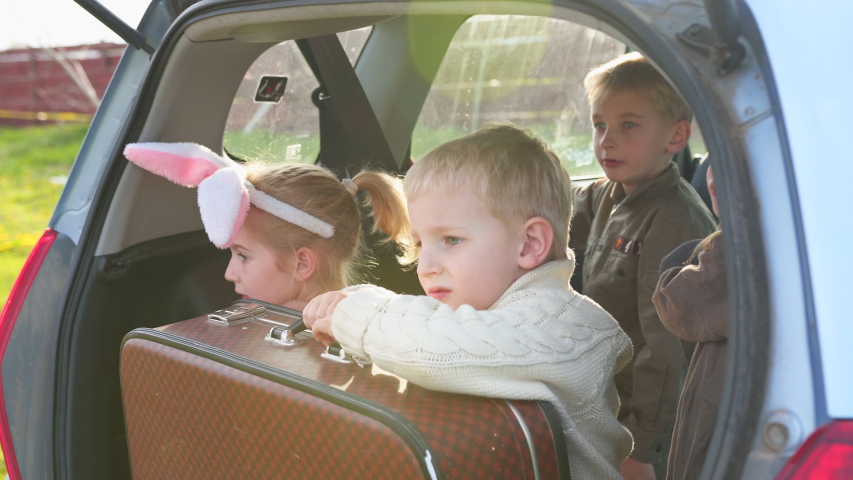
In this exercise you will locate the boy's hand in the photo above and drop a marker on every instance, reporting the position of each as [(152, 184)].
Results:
[(317, 315), (635, 470)]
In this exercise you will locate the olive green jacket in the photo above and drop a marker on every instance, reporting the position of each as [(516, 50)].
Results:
[(624, 239)]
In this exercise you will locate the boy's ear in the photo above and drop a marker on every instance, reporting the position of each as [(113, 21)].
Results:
[(538, 238), (304, 264), (679, 136)]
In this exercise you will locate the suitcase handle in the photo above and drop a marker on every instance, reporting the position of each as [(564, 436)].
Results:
[(297, 326)]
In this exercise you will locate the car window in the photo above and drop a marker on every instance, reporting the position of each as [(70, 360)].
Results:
[(287, 130), (528, 70)]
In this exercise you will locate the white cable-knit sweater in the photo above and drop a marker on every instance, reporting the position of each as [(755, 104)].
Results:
[(540, 341)]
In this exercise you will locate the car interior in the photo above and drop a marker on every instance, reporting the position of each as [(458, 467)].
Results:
[(372, 85)]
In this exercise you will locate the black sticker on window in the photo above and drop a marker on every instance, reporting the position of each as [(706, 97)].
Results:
[(270, 89)]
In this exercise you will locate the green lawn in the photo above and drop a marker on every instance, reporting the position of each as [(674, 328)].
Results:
[(33, 165)]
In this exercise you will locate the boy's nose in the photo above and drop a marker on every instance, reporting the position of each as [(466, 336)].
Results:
[(607, 141), (426, 265)]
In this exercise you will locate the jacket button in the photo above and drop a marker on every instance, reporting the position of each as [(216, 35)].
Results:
[(620, 272)]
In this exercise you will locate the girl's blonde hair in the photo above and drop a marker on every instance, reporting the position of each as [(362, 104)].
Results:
[(318, 192)]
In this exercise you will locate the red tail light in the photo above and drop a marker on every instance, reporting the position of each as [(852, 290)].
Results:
[(826, 455), (7, 321)]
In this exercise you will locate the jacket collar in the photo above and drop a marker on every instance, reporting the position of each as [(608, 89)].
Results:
[(667, 178)]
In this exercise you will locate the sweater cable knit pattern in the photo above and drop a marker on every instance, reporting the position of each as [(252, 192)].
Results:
[(541, 340)]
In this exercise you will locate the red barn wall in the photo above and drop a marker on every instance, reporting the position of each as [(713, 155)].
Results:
[(35, 89)]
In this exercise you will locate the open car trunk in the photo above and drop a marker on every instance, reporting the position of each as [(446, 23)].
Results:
[(141, 258)]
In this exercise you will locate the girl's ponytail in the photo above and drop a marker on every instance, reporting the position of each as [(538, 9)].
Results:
[(386, 199)]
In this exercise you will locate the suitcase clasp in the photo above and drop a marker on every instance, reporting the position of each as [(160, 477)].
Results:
[(237, 314), (335, 353), (281, 336)]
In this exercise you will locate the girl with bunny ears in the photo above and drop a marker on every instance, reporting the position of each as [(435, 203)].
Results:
[(294, 230)]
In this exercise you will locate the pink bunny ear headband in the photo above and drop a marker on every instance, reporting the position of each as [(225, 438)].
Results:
[(224, 194)]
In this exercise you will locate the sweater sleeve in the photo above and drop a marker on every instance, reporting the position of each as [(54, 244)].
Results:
[(693, 301), (354, 313), (509, 352)]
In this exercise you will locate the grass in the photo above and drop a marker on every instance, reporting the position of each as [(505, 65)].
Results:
[(574, 150), (272, 147), (33, 165)]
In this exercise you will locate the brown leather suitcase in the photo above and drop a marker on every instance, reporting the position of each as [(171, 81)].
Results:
[(224, 396)]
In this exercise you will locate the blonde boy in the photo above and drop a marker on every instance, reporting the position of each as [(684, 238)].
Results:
[(490, 214), (625, 225)]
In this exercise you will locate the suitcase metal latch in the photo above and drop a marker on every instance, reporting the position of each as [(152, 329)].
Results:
[(335, 353), (237, 314), (281, 336)]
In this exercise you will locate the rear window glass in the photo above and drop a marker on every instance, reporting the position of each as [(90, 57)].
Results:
[(289, 130), (527, 70)]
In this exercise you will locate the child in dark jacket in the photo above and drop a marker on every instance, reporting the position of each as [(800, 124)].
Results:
[(692, 302)]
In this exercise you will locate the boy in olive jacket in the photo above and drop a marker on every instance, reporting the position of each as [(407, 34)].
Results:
[(624, 225)]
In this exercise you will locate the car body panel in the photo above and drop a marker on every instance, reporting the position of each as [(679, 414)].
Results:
[(816, 136), (73, 207), (29, 364), (789, 378)]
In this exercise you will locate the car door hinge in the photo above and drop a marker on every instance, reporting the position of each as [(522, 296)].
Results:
[(720, 42)]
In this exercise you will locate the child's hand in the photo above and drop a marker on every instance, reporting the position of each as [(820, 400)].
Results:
[(317, 315)]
